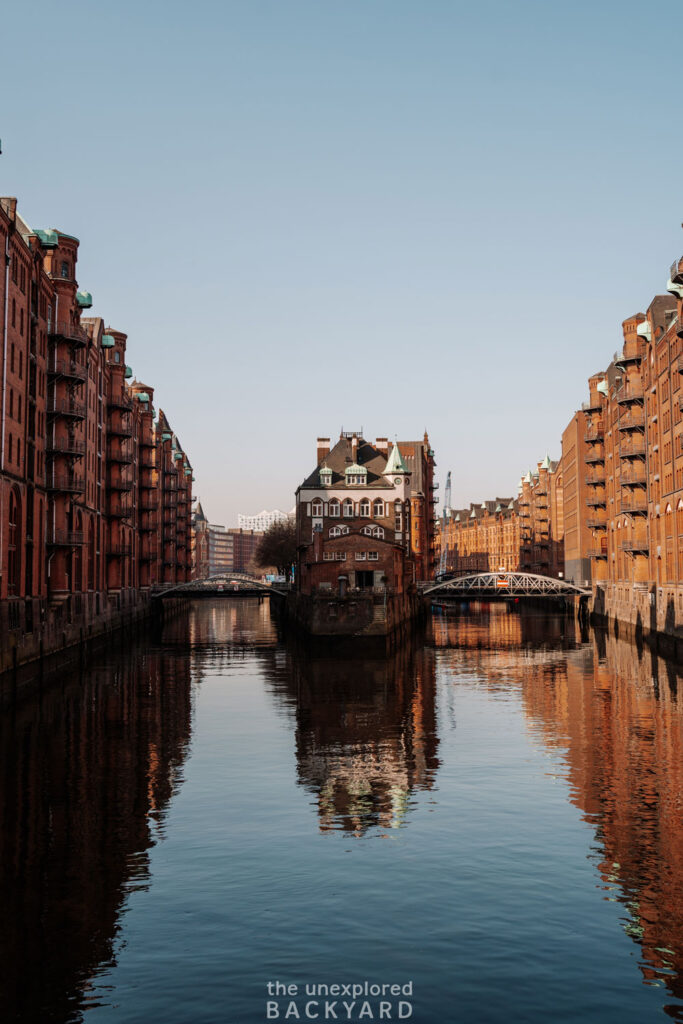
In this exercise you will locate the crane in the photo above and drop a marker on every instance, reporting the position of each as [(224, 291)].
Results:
[(444, 519)]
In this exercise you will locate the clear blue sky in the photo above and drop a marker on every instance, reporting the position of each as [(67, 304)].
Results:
[(383, 213)]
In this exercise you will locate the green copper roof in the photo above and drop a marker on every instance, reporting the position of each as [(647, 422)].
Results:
[(128, 373), (546, 462), (528, 478), (512, 504), (142, 396), (395, 463), (84, 299), (355, 469), (165, 437), (49, 239), (108, 341), (499, 508), (603, 387), (177, 455)]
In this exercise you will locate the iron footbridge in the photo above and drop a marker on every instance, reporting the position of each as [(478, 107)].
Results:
[(222, 583), (503, 584)]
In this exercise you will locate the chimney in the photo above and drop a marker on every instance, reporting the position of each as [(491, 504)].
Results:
[(354, 448), (382, 444), (323, 448)]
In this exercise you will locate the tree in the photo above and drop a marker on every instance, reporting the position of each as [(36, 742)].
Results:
[(278, 547)]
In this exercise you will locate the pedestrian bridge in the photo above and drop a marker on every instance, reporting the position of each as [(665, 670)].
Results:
[(503, 584), (222, 583)]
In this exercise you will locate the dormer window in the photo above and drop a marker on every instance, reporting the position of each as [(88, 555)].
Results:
[(356, 476), (326, 477)]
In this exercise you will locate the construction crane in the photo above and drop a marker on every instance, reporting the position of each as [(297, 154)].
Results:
[(444, 519)]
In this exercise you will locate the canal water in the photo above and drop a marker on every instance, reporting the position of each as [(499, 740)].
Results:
[(491, 819)]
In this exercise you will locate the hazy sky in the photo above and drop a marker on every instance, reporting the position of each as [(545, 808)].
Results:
[(386, 214)]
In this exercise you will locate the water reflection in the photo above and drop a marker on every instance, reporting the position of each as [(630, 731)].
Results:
[(91, 764), (611, 710), (88, 769), (366, 737)]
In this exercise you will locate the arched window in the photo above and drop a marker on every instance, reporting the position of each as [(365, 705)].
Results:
[(348, 508), (317, 507), (679, 517), (91, 556), (338, 531), (13, 543), (378, 508), (365, 508), (373, 531), (335, 509), (78, 556)]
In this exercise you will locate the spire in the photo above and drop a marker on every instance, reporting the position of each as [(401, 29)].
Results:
[(395, 463), (546, 462)]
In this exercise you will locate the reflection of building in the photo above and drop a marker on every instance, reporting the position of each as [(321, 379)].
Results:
[(366, 736), (89, 770)]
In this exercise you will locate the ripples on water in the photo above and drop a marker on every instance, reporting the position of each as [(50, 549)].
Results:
[(493, 811)]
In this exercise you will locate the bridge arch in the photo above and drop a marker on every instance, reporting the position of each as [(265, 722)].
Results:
[(515, 584)]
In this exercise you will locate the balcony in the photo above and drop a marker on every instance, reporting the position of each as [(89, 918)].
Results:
[(121, 454), (635, 547), (592, 405), (67, 483), (595, 479), (632, 449), (119, 484), (630, 394), (635, 506), (63, 329), (66, 446), (598, 552), (633, 478), (676, 271), (147, 462), (122, 403), (594, 435), (64, 539), (119, 549), (119, 509), (120, 429), (68, 368), (594, 457), (596, 524), (597, 501), (634, 420), (70, 408)]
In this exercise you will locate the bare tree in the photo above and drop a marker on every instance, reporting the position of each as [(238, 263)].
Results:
[(278, 547)]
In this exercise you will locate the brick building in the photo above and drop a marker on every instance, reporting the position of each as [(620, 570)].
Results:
[(522, 534), (219, 549), (85, 473), (635, 504), (353, 519)]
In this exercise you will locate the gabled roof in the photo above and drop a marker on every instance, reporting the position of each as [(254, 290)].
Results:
[(341, 457)]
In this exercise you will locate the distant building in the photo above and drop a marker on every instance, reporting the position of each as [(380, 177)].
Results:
[(262, 521), (221, 550)]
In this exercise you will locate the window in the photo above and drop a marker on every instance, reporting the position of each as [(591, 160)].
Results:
[(334, 509), (373, 531), (64, 269), (338, 531), (348, 508), (373, 556), (378, 508), (13, 536), (365, 508), (360, 556), (317, 507)]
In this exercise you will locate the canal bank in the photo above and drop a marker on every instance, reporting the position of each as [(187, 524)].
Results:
[(34, 630)]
